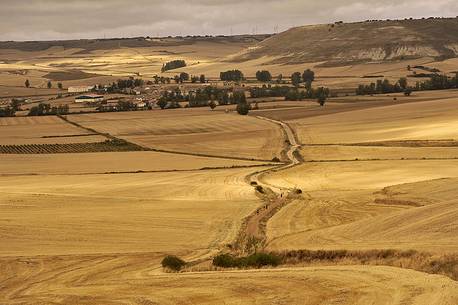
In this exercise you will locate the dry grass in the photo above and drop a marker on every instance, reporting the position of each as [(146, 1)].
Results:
[(445, 264)]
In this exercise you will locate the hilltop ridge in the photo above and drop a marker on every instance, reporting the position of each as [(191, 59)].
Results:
[(366, 41)]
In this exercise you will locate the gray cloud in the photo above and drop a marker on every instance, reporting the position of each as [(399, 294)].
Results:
[(68, 19)]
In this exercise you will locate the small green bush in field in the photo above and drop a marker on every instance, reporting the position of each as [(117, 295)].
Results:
[(256, 260), (173, 263)]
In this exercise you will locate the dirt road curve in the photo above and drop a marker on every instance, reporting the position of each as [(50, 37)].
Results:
[(293, 145), (254, 225)]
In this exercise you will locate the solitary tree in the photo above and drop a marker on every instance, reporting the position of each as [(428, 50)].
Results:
[(60, 86), (27, 83), (403, 83), (49, 85), (308, 76), (162, 103), (263, 76), (212, 105), (202, 79), (243, 108), (296, 78), (184, 76), (322, 100)]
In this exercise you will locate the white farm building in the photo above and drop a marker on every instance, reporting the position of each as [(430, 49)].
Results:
[(89, 98), (80, 89)]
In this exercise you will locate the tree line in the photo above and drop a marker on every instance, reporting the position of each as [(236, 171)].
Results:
[(46, 109), (435, 82), (174, 64)]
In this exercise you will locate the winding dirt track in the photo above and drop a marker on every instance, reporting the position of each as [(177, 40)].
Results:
[(254, 225)]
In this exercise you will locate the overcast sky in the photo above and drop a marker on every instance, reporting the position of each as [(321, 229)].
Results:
[(69, 19)]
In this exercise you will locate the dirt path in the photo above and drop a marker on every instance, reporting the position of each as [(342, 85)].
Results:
[(252, 235)]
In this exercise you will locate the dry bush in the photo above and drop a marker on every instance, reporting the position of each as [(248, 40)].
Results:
[(445, 264)]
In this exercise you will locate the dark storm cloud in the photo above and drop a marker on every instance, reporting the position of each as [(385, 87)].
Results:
[(66, 19)]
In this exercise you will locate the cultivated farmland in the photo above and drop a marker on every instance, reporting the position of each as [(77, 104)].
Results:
[(355, 199), (185, 212), (43, 130), (192, 131)]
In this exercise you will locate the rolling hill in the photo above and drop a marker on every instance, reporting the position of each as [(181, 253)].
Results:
[(343, 43)]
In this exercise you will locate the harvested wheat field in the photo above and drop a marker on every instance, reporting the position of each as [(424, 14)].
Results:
[(356, 175), (192, 131), (127, 213), (429, 120), (43, 130), (131, 280), (348, 153), (111, 162)]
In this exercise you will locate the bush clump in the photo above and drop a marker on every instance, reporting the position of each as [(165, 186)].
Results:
[(224, 261), (173, 263), (256, 260), (260, 189)]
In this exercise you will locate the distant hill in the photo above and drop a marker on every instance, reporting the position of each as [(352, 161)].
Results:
[(115, 43), (341, 43)]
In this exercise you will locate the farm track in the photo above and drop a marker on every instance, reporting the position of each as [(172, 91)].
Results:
[(252, 234)]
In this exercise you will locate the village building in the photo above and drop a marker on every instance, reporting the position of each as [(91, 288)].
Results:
[(80, 89)]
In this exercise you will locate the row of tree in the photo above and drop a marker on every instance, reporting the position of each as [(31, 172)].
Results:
[(232, 76), (201, 97), (46, 109), (121, 85), (7, 111), (291, 93), (436, 82), (27, 84), (174, 64), (307, 77)]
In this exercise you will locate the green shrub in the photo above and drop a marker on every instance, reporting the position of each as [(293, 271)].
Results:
[(259, 260), (260, 189), (243, 108), (173, 263), (225, 261), (256, 260)]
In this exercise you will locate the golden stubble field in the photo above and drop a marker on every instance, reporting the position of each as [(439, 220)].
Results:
[(123, 213), (198, 131), (397, 191), (43, 130), (76, 236)]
